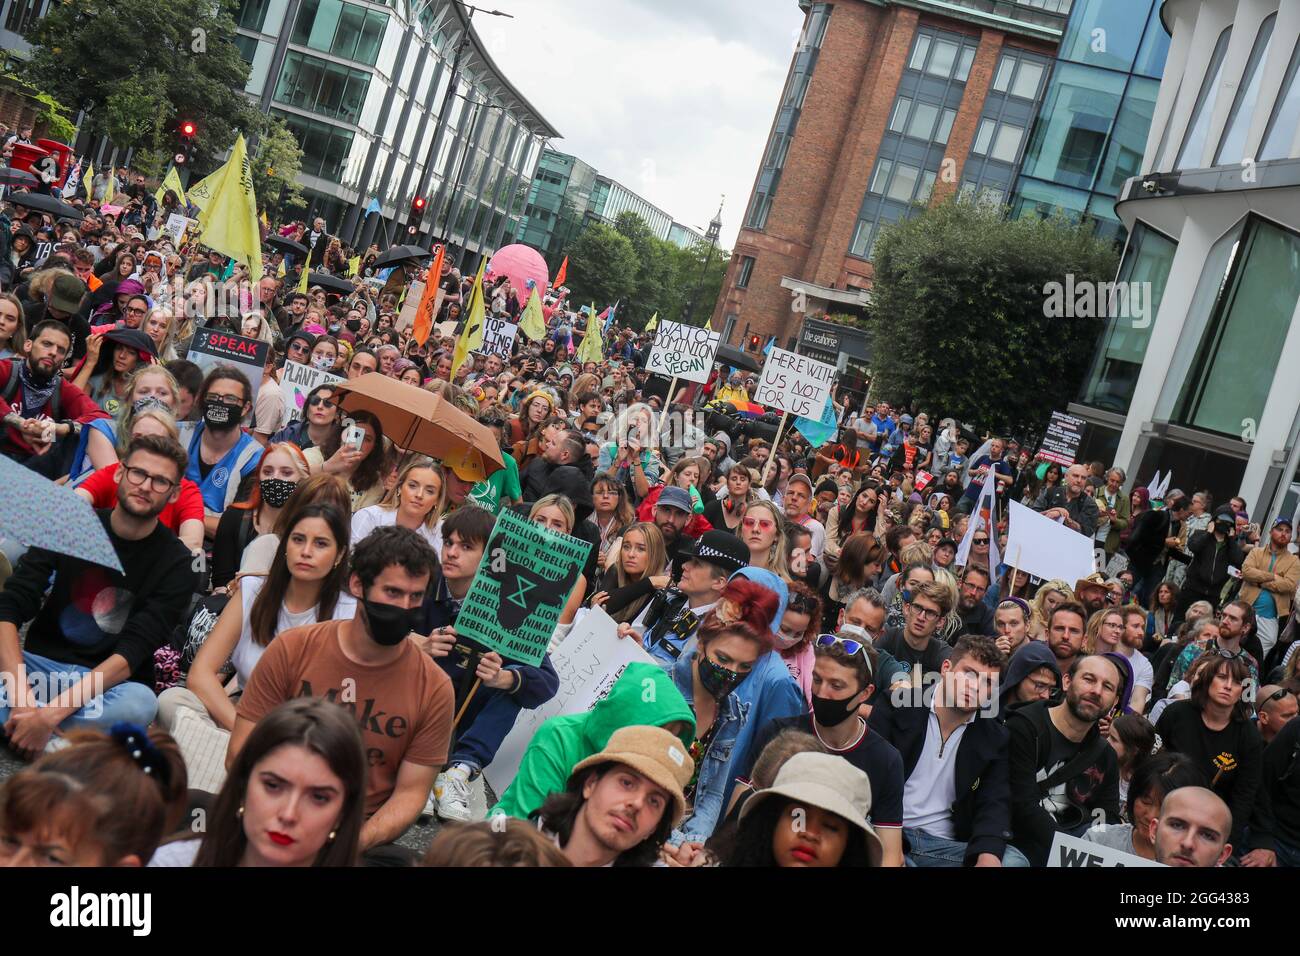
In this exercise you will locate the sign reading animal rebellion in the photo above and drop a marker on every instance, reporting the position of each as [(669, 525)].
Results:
[(683, 351), (498, 337), (526, 576), (795, 384)]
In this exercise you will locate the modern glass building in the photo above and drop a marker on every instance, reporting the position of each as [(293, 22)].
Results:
[(557, 204), (1092, 124), (684, 236), (391, 101)]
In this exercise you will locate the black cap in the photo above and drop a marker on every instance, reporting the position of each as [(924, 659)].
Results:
[(721, 549)]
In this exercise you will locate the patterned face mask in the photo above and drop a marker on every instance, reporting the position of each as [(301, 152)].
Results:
[(717, 680), (276, 491)]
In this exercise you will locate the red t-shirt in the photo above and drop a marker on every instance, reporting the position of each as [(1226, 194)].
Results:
[(102, 488)]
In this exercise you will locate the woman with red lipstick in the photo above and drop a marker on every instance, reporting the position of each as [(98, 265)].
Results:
[(815, 814), (295, 795)]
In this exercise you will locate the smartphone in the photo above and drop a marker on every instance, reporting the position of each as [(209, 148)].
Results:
[(354, 436)]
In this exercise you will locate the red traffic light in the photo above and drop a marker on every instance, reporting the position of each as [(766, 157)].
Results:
[(418, 203), (754, 341), (187, 128)]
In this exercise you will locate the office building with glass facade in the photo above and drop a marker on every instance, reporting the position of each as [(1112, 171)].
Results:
[(1092, 124), (1204, 386), (889, 106), (391, 101), (684, 236)]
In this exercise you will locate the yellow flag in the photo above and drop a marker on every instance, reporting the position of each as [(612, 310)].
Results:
[(302, 283), (280, 272), (111, 189), (201, 193), (263, 220), (592, 348), (653, 323), (88, 181), (472, 336), (229, 221), (532, 323), (354, 266), (171, 181)]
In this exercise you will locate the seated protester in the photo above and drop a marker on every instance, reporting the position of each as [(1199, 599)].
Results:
[(416, 502), (1134, 738), (863, 617), (916, 644), (1011, 625), (364, 469), (72, 635), (620, 805), (612, 513), (1155, 776), (221, 455), (976, 616), (106, 372), (858, 565), (554, 469), (1234, 623), (799, 559), (556, 513), (102, 800), (635, 574), (493, 843), (1110, 632), (280, 470), (321, 421), (1214, 728), (644, 695), (1066, 632), (1031, 675), (402, 700), (182, 517), (685, 475), (799, 626), (917, 570), (305, 586), (1275, 707), (1063, 772), (841, 682), (501, 488), (725, 513), (832, 799), (1192, 829), (295, 795), (33, 391), (504, 687), (103, 441), (1281, 788), (797, 502), (673, 617), (956, 799)]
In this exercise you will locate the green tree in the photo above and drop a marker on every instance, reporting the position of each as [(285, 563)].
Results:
[(602, 267), (137, 66), (702, 270), (958, 318), (276, 169), (656, 274)]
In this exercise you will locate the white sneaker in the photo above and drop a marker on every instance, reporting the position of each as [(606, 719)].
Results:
[(451, 790)]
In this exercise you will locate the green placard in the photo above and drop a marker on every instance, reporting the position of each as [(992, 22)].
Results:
[(526, 576)]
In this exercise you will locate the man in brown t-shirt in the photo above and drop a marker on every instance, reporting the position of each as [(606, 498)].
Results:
[(400, 697)]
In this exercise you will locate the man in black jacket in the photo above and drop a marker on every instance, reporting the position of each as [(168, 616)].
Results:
[(956, 796), (1212, 553), (1064, 775)]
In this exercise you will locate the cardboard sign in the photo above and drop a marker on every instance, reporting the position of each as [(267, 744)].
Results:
[(498, 337), (683, 351), (795, 384), (1068, 851), (1064, 435), (175, 228), (212, 347), (588, 663), (296, 383), (523, 581), (1046, 548)]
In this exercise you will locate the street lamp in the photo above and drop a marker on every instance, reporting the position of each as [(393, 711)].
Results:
[(714, 232)]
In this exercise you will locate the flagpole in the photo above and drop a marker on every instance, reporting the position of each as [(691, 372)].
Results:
[(668, 401), (776, 441), (1015, 569)]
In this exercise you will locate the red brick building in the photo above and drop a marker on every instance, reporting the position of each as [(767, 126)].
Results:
[(889, 105)]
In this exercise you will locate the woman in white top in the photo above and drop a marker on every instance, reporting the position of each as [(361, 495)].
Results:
[(305, 585), (416, 502)]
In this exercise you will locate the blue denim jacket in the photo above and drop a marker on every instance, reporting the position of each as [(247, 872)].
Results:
[(715, 768)]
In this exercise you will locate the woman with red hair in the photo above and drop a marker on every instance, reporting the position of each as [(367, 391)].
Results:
[(278, 473)]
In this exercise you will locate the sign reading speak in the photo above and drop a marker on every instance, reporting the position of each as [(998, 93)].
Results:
[(522, 583), (1068, 851), (683, 351), (498, 337), (297, 381), (795, 384), (212, 347), (1064, 435)]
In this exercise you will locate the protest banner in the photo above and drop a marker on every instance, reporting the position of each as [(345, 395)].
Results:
[(795, 384), (683, 351), (296, 383), (498, 337), (588, 661), (1061, 443), (524, 579), (175, 228), (212, 347), (411, 305), (1068, 851), (1046, 548)]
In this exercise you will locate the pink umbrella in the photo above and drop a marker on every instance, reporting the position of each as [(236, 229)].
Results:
[(522, 264)]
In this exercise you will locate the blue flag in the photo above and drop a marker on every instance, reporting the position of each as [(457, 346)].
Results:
[(818, 433), (767, 350), (373, 207)]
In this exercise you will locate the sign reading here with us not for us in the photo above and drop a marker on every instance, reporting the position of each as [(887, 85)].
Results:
[(795, 384), (683, 351)]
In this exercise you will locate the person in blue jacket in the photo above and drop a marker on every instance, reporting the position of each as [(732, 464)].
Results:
[(221, 454)]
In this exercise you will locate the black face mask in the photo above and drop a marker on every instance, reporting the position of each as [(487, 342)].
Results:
[(276, 491), (832, 713), (717, 680), (388, 623), (354, 325), (219, 416)]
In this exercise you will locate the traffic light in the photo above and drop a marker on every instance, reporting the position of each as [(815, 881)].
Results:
[(754, 342), (418, 205), (185, 131)]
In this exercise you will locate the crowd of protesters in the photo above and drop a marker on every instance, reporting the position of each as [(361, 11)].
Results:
[(820, 655)]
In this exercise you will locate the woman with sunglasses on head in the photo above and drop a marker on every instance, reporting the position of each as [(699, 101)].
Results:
[(279, 471), (762, 531)]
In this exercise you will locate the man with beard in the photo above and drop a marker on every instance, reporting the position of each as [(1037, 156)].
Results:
[(41, 408), (976, 617), (1065, 633), (88, 655), (672, 512), (1071, 503), (1092, 593), (1064, 774), (221, 453)]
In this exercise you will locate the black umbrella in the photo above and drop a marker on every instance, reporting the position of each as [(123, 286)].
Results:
[(399, 254), (330, 283), (46, 204), (287, 245), (730, 355), (18, 178)]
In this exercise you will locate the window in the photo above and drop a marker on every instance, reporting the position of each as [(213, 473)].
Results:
[(903, 184), (919, 51), (942, 59), (1199, 127), (861, 238), (746, 270), (883, 168), (984, 137), (1006, 144), (1286, 115), (945, 127), (898, 122), (964, 63), (1122, 21), (927, 186), (1002, 79), (1028, 77), (1074, 123), (1232, 149), (921, 125)]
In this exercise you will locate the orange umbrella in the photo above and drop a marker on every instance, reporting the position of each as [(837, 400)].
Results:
[(420, 421)]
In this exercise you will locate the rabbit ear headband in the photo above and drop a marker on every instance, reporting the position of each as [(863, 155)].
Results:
[(1158, 487)]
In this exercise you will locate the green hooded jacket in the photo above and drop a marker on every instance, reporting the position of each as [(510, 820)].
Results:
[(563, 741)]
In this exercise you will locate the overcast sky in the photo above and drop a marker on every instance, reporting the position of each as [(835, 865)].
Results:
[(672, 98)]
